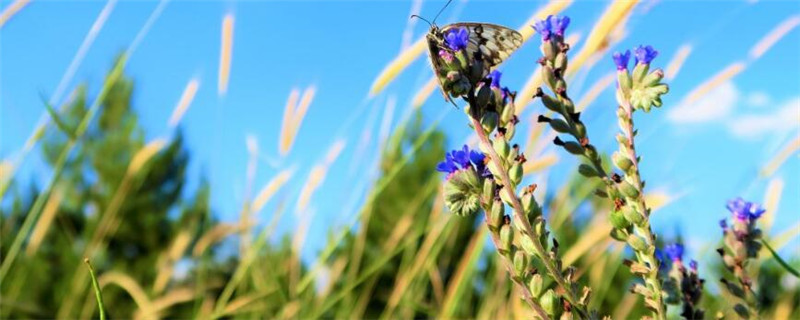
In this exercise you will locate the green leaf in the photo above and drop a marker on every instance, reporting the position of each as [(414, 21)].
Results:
[(780, 260), (57, 119)]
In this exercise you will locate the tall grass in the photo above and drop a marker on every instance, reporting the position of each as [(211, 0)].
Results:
[(401, 256)]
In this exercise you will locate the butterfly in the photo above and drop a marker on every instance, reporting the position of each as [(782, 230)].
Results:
[(495, 43)]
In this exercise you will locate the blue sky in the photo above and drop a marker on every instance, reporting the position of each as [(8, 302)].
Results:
[(704, 153)]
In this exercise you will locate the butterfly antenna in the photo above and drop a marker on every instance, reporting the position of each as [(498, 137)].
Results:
[(421, 18), (442, 10)]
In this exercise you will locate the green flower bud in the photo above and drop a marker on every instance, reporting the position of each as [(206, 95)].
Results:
[(497, 214), (622, 97), (636, 242), (462, 192), (645, 97), (632, 215), (502, 148), (618, 220), (527, 245), (487, 195), (520, 262), (574, 148), (551, 104), (508, 113), (484, 93), (629, 190), (652, 78), (742, 311), (560, 126), (625, 83), (497, 97), (477, 72), (489, 122), (549, 302), (591, 152), (515, 173), (639, 72), (569, 106), (622, 162), (622, 140), (530, 206), (549, 50), (549, 77), (587, 171), (504, 197), (739, 249), (496, 171), (561, 61), (619, 235), (580, 130), (733, 288), (506, 238), (461, 57), (729, 261), (601, 193), (561, 85), (460, 88), (536, 285), (511, 129)]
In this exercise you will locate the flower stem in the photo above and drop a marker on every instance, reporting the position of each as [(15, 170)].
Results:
[(527, 229), (651, 278), (526, 292)]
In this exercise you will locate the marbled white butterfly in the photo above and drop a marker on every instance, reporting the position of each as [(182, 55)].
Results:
[(494, 43)]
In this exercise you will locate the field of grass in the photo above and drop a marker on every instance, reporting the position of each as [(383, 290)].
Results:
[(114, 232)]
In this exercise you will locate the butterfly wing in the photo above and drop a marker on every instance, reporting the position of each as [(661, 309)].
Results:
[(437, 63), (495, 43)]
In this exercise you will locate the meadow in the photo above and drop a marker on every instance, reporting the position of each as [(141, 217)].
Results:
[(531, 197)]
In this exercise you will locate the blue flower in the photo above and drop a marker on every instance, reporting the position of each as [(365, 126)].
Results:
[(660, 259), (745, 210), (693, 265), (724, 225), (644, 54), (464, 159), (543, 27), (674, 251), (558, 24), (495, 76), (621, 59), (457, 39), (478, 159)]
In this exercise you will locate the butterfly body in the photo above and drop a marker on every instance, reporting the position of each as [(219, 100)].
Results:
[(492, 43)]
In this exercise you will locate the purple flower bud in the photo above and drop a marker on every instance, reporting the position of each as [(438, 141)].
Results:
[(457, 38), (446, 56), (621, 59), (558, 24), (544, 27), (495, 76), (674, 251), (644, 54), (724, 225), (744, 210), (693, 266)]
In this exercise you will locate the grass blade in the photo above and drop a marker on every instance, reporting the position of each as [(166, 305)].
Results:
[(96, 286), (780, 260)]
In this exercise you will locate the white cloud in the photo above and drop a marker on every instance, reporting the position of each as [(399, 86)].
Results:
[(715, 105), (758, 99), (786, 117)]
